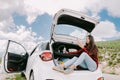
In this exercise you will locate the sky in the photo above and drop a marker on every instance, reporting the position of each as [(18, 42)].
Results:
[(29, 21)]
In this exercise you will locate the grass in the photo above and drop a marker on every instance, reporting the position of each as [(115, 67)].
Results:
[(16, 77), (109, 52), (0, 60)]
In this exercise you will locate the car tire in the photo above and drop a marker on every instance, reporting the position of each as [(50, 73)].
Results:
[(31, 76), (23, 75)]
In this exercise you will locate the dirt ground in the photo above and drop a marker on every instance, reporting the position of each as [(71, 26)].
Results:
[(111, 77)]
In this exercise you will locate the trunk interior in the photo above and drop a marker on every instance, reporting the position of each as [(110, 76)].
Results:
[(59, 56)]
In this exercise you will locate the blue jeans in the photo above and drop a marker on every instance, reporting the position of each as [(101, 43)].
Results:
[(84, 61)]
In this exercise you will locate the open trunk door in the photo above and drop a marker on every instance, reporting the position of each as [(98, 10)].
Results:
[(74, 18)]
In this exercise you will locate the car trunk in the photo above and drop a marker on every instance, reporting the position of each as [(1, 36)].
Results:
[(59, 55), (66, 27)]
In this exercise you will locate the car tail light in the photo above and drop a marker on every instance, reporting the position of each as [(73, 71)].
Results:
[(101, 78), (46, 56)]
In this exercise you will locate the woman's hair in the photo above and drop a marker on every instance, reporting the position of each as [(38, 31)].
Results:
[(91, 45)]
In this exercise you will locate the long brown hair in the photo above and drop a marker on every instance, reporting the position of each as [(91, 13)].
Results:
[(91, 45)]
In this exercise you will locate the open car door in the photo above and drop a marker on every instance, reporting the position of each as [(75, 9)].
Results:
[(15, 58)]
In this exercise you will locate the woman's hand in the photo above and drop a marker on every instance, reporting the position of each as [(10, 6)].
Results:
[(66, 52), (80, 43)]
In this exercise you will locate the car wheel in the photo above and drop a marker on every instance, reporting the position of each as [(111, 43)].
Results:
[(23, 75), (31, 76)]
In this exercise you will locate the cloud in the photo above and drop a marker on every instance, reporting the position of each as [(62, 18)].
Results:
[(20, 34), (105, 30), (33, 8), (9, 7), (17, 6), (38, 7), (8, 29), (112, 6), (7, 25)]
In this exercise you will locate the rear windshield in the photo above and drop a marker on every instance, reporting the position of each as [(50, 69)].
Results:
[(70, 30)]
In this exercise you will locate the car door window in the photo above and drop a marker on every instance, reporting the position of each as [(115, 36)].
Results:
[(16, 48)]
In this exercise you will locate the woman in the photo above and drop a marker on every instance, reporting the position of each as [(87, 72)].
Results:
[(88, 58)]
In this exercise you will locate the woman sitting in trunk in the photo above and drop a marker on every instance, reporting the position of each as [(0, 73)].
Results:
[(88, 58)]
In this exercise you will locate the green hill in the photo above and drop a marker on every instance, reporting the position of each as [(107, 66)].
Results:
[(109, 50), (109, 44), (109, 55)]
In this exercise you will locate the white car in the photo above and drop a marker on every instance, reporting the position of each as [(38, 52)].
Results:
[(67, 26)]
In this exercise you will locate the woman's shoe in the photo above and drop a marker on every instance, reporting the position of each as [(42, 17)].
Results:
[(68, 71), (58, 68)]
